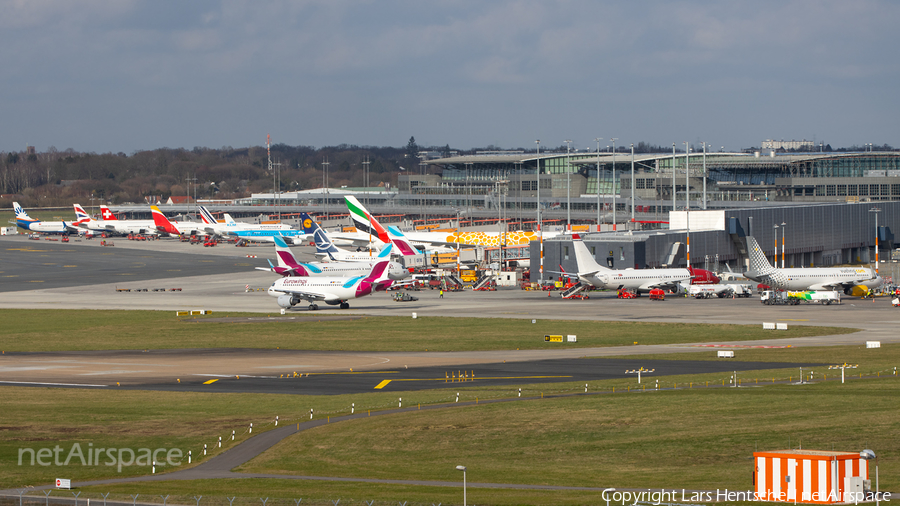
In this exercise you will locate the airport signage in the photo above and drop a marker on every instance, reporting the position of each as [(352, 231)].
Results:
[(553, 339), (63, 483)]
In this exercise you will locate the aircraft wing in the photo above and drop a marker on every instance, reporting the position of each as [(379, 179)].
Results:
[(309, 295), (665, 285)]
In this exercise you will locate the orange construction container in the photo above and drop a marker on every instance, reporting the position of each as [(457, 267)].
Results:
[(809, 476)]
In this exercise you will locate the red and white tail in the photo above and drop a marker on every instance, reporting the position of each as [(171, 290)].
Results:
[(106, 214), (162, 223)]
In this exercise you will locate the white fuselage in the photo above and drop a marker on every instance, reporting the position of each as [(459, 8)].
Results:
[(636, 279), (818, 278)]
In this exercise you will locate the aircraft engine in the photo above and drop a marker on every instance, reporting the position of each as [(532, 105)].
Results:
[(286, 301), (857, 291)]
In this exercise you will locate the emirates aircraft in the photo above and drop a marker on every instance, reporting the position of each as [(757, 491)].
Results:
[(851, 280)]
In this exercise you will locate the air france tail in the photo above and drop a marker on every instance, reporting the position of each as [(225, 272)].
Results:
[(207, 216)]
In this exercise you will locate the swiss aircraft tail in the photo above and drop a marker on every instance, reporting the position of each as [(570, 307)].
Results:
[(207, 216), (80, 215), (107, 214), (162, 223), (364, 221)]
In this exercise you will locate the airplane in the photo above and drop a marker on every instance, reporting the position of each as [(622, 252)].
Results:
[(334, 291), (854, 281), (45, 227), (113, 225), (640, 280), (326, 248), (439, 242), (288, 265), (231, 227), (164, 225)]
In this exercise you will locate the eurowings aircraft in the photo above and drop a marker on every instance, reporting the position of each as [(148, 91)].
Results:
[(114, 225), (45, 227), (288, 265), (641, 280), (851, 280), (174, 227), (291, 290), (231, 227)]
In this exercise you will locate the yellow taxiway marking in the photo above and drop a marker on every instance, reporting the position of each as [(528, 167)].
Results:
[(70, 266), (464, 379), (35, 280), (173, 270), (382, 384), (210, 381)]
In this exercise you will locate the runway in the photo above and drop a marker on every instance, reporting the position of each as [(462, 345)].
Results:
[(217, 280)]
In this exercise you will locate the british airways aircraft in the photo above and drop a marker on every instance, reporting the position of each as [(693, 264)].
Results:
[(45, 227)]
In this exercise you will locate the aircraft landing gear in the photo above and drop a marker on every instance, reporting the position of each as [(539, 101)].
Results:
[(313, 307), (345, 305)]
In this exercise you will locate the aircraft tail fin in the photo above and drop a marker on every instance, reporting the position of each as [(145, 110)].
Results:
[(385, 252), (80, 215), (107, 214), (162, 223), (583, 259), (287, 262), (323, 243), (207, 216), (758, 261), (365, 221), (309, 225), (228, 219), (401, 242), (20, 213)]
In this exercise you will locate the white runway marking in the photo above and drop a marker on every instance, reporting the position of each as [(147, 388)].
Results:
[(51, 384)]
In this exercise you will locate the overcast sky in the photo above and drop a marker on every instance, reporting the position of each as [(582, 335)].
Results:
[(120, 75)]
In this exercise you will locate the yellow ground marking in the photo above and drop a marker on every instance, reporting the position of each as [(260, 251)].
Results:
[(464, 379), (35, 280), (210, 382), (70, 266), (382, 384), (173, 270)]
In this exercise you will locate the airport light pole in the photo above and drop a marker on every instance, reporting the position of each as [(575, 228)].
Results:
[(598, 139), (539, 224), (568, 186), (842, 367), (614, 182), (674, 192), (632, 185), (775, 237), (463, 469), (876, 211), (783, 226), (639, 371), (687, 176), (704, 176), (870, 455)]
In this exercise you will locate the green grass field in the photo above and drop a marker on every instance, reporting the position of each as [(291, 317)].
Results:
[(63, 330), (625, 439)]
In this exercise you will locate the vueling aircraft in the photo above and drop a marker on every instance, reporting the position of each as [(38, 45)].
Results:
[(851, 280)]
